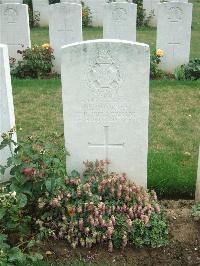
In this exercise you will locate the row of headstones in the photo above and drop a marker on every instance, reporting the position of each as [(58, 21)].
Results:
[(96, 8), (108, 104), (65, 26), (42, 6)]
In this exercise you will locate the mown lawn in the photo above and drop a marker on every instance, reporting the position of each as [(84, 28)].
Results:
[(173, 129), (145, 34), (174, 134)]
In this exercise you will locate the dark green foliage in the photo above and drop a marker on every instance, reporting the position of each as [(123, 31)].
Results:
[(190, 71), (37, 62), (34, 17), (141, 21), (155, 235)]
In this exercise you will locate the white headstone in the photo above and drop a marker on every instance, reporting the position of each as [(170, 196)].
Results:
[(71, 1), (174, 34), (182, 1), (197, 194), (105, 85), (11, 2), (14, 28), (65, 27), (120, 21), (7, 116), (151, 7), (42, 7), (97, 11)]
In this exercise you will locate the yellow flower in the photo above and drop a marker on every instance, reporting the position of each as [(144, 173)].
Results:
[(46, 46), (160, 53)]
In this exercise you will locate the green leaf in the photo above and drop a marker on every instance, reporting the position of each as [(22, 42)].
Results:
[(22, 200), (48, 184), (15, 255), (35, 257), (2, 213)]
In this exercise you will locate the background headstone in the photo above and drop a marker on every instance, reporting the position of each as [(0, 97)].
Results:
[(11, 2), (151, 7), (105, 87), (174, 34), (65, 27), (97, 11), (197, 194), (182, 1), (71, 1), (42, 6), (7, 117), (120, 21), (14, 28)]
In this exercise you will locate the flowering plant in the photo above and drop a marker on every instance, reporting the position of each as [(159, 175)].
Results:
[(100, 208), (155, 72), (105, 208), (37, 62)]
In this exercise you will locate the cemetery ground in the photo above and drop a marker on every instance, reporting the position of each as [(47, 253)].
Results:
[(172, 161), (183, 248)]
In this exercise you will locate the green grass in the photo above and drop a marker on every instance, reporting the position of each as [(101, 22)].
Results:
[(145, 34), (173, 128)]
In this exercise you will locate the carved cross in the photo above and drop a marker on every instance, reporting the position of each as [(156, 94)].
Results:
[(106, 145)]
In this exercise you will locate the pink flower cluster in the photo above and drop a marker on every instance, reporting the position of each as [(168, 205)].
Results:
[(91, 208)]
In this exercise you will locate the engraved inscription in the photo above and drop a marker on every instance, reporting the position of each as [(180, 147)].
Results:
[(10, 15), (175, 14), (105, 103), (119, 15), (65, 26), (104, 76), (107, 112)]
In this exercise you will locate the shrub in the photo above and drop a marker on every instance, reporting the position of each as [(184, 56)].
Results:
[(86, 15), (190, 71), (35, 172), (34, 17), (101, 208), (15, 234), (155, 72), (36, 62), (141, 21)]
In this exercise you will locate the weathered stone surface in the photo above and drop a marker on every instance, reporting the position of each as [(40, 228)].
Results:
[(120, 21), (11, 1), (42, 7), (7, 117), (65, 27), (182, 1), (174, 34), (151, 8), (105, 87), (97, 11), (14, 28), (71, 1)]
